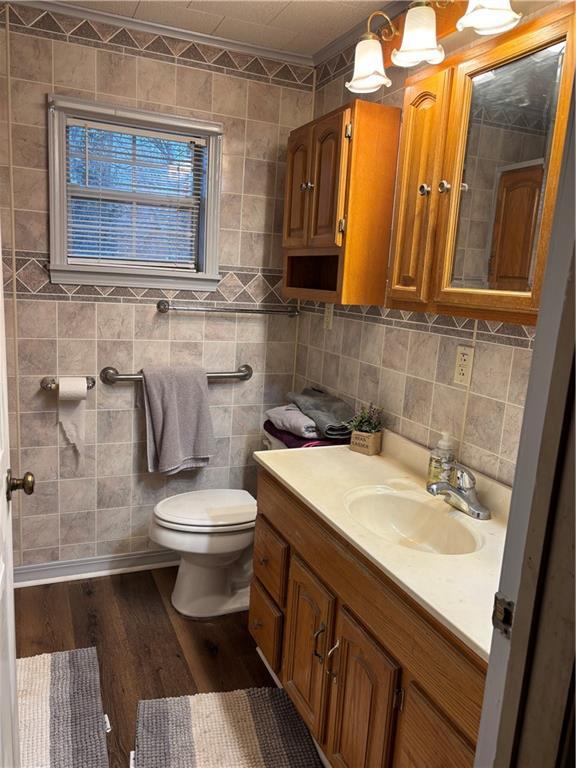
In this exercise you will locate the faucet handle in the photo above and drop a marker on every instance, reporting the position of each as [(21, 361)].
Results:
[(464, 479)]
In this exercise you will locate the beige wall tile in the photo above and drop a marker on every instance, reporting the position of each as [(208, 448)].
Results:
[(295, 107), (229, 96), (116, 74), (417, 400), (31, 189), (40, 531), (31, 230), (193, 88), (262, 140), (36, 319), (263, 102), (259, 178), (115, 321), (29, 146), (75, 66), (29, 102), (76, 320), (156, 81), (76, 357), (37, 356), (31, 58), (491, 371), (484, 419), (422, 355)]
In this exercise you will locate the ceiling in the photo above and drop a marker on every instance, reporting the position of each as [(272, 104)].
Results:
[(299, 26)]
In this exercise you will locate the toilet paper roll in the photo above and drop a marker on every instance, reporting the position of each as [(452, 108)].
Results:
[(72, 392)]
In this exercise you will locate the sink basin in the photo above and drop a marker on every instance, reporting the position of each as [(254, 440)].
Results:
[(411, 518)]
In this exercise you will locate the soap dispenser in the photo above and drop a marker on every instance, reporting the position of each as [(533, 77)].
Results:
[(440, 458)]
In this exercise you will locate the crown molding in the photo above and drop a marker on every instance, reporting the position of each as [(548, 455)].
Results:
[(67, 9), (351, 37)]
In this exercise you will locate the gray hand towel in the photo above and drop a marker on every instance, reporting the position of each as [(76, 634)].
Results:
[(291, 419), (329, 413), (178, 424)]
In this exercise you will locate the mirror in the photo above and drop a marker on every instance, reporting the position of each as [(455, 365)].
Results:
[(506, 159)]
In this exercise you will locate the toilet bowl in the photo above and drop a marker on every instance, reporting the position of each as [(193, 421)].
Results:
[(213, 532)]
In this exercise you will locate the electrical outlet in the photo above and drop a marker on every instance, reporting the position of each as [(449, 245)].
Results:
[(463, 367), (328, 316)]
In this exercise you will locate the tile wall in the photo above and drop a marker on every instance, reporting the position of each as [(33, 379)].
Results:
[(100, 504)]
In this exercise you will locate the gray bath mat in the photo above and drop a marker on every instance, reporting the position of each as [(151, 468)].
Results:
[(60, 709), (252, 728)]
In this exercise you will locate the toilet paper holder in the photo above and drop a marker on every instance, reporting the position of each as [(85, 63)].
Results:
[(50, 384)]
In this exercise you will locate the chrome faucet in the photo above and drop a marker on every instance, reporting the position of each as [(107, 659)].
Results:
[(459, 490)]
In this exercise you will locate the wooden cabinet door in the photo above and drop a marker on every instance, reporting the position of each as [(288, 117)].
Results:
[(425, 115), (427, 739), (514, 233), (297, 191), (309, 614), (361, 712), (329, 166)]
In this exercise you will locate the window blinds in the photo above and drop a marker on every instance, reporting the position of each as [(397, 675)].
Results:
[(134, 196)]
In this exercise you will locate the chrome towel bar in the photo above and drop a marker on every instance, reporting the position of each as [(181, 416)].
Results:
[(164, 306), (110, 375)]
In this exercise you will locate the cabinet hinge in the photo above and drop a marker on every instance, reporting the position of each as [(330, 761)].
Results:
[(503, 614), (341, 225), (348, 131), (399, 699)]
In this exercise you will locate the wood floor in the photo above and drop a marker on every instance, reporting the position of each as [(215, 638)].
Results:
[(145, 648)]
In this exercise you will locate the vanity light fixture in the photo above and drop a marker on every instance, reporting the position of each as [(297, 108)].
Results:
[(419, 42), (369, 73), (488, 17)]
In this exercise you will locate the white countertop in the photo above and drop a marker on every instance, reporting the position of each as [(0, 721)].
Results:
[(458, 590)]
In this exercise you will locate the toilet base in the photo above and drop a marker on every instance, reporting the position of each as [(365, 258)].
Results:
[(203, 592)]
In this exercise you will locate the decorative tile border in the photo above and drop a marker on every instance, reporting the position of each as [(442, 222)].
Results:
[(123, 39), (339, 64), (239, 286), (494, 332)]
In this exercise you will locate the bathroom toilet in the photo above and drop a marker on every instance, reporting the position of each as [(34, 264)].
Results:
[(213, 531)]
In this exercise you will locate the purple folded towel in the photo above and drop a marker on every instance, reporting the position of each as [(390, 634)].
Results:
[(293, 441)]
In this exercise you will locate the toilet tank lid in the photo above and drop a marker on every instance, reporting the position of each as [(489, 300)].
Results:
[(208, 509)]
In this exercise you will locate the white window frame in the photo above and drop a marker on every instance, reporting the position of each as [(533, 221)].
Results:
[(62, 270)]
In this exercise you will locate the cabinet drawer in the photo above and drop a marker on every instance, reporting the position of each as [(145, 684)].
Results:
[(270, 560), (265, 622)]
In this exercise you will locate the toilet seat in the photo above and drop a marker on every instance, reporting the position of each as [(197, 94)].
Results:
[(211, 511)]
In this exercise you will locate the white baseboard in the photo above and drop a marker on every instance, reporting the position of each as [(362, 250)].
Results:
[(274, 676), (103, 565)]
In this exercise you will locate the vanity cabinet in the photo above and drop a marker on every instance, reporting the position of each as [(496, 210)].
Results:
[(426, 738), (375, 678), (309, 614), (480, 159), (338, 203)]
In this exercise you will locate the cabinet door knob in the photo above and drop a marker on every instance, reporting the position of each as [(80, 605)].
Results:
[(257, 624), (263, 560), (304, 186), (309, 186), (424, 190), (444, 186)]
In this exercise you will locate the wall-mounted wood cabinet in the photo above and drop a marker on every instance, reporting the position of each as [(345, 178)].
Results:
[(340, 178), (480, 158), (375, 678)]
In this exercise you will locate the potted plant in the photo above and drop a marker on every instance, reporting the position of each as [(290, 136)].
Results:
[(366, 429)]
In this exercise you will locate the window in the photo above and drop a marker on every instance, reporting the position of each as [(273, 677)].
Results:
[(134, 197)]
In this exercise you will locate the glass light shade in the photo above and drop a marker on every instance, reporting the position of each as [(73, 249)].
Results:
[(419, 41), (369, 73), (488, 17)]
